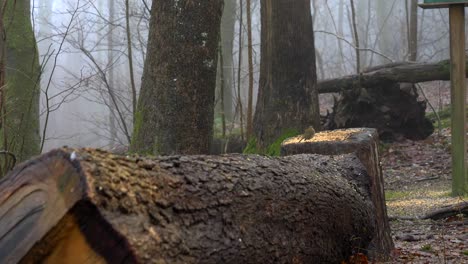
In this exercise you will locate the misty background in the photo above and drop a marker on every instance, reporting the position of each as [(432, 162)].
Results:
[(86, 88)]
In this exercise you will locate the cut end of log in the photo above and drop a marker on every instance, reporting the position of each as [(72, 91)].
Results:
[(334, 136), (333, 142), (81, 236)]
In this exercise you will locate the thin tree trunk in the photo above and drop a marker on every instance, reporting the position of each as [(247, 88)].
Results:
[(130, 57), (356, 38), (111, 67), (239, 67), (227, 35), (222, 83), (340, 33), (413, 31), (363, 18), (251, 81), (385, 27)]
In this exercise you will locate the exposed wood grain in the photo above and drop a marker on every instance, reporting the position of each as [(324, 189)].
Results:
[(33, 199)]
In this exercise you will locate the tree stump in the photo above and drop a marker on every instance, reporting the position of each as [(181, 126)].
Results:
[(364, 143), (77, 206)]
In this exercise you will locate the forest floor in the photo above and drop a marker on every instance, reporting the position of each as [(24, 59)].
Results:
[(417, 181)]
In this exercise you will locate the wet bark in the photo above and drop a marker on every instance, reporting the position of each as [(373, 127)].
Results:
[(185, 209), (175, 109), (364, 143), (287, 97)]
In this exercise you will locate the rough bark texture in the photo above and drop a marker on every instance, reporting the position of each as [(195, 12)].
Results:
[(22, 80), (175, 109), (391, 108), (401, 72), (364, 143), (185, 209), (287, 97)]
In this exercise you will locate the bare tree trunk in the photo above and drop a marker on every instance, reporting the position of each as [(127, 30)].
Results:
[(111, 66), (227, 42), (176, 105), (363, 20), (287, 98), (130, 58), (384, 22), (413, 31), (23, 82), (340, 33), (222, 86), (356, 38), (239, 67), (250, 55)]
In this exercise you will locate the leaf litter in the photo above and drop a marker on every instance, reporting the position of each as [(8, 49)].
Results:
[(417, 181)]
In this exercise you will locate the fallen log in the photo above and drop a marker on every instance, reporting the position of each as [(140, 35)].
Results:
[(447, 211), (364, 143), (81, 206), (390, 73)]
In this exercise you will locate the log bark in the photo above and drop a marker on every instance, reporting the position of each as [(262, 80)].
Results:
[(364, 143), (74, 206), (401, 72)]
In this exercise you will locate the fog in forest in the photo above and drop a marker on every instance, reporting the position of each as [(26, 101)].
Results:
[(86, 88)]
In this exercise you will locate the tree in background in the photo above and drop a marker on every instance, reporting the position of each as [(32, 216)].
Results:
[(227, 40), (287, 98), (249, 129), (413, 30), (20, 112), (175, 108)]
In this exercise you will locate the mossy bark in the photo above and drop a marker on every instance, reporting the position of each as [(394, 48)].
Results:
[(287, 97), (175, 108), (22, 83)]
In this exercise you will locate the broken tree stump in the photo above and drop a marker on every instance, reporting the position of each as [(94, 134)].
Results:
[(364, 143), (81, 206)]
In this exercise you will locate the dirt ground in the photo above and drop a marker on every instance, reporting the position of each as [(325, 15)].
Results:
[(417, 181)]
